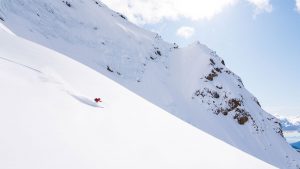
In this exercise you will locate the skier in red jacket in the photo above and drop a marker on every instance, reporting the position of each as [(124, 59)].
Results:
[(98, 100)]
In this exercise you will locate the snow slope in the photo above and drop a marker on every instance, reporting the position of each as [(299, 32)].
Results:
[(191, 83), (49, 120)]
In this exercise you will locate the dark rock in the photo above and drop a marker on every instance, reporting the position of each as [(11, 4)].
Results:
[(197, 93), (215, 95), (228, 72), (211, 76), (242, 120), (212, 62), (158, 53), (98, 3), (240, 80), (67, 3), (175, 46), (218, 70), (109, 69), (122, 16), (234, 103), (256, 101), (219, 87), (223, 63)]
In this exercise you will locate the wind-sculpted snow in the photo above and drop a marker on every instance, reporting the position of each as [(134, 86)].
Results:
[(191, 83)]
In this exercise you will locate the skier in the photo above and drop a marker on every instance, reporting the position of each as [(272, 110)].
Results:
[(98, 100)]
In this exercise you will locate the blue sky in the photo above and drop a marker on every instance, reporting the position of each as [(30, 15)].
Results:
[(258, 39)]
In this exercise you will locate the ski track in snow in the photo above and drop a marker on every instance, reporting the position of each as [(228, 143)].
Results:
[(20, 64), (84, 100), (51, 79)]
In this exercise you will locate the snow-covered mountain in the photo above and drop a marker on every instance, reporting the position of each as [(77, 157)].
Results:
[(291, 123), (191, 83), (49, 120)]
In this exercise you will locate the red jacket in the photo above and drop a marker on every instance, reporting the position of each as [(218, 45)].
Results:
[(97, 100)]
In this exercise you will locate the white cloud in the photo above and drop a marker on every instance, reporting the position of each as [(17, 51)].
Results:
[(185, 32), (153, 11), (261, 5), (298, 5)]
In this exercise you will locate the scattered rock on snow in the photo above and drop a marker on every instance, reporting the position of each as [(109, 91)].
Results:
[(67, 3)]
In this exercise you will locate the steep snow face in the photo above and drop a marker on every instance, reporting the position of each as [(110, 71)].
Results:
[(85, 29), (49, 120), (192, 83)]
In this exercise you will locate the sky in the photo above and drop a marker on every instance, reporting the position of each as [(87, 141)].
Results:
[(258, 39)]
